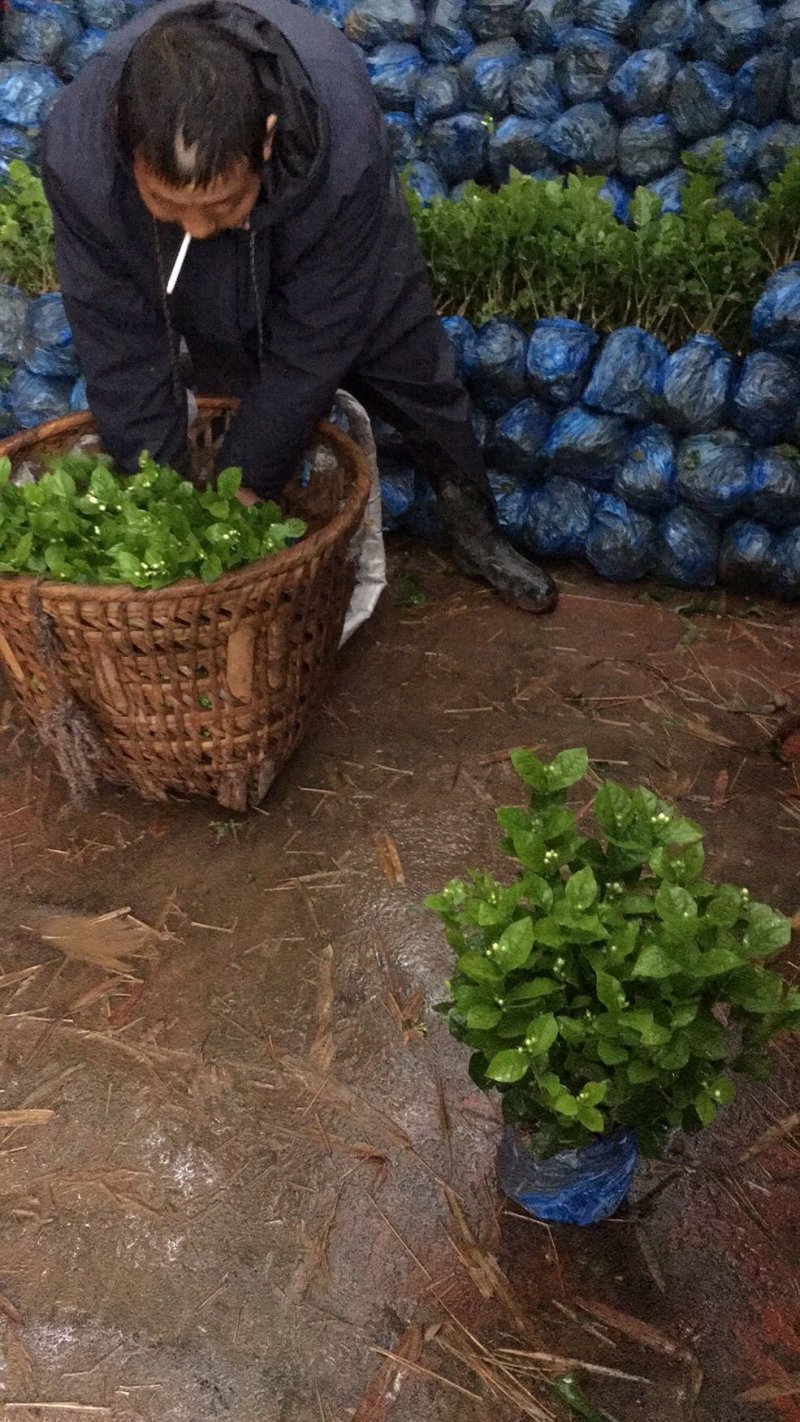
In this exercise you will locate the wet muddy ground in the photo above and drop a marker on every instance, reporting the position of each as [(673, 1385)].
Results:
[(266, 1175)]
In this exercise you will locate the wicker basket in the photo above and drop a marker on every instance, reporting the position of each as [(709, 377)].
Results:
[(193, 689)]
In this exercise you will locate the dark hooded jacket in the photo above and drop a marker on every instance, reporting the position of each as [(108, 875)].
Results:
[(328, 276)]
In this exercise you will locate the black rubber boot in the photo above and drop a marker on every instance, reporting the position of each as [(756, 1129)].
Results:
[(481, 551)]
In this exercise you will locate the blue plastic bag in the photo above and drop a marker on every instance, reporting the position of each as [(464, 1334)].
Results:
[(424, 180), (558, 517), (614, 17), (424, 519), (446, 38), (104, 14), (511, 502), (26, 93), (779, 142), (437, 95), (701, 102), (714, 472), (560, 357), (759, 87), (395, 70), (398, 492), (535, 91), (404, 139), (536, 28), (687, 549), (485, 77), (38, 30), (36, 398), (669, 23), (647, 148), (517, 439), (670, 189), (334, 10), (497, 374), (48, 331), (586, 445), (730, 32), (577, 1187), (517, 143), (775, 322), (642, 85), (741, 198), (586, 136), (747, 556), (775, 486), (736, 150), (461, 335), (374, 22), (585, 63), (647, 479), (784, 26), (787, 564), (458, 147), (618, 197), (696, 385), (494, 19), (16, 145), (626, 379), (78, 400), (15, 342), (766, 398), (621, 542), (74, 56)]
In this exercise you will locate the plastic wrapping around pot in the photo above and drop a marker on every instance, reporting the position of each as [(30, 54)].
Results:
[(517, 143), (511, 502), (621, 541), (395, 70), (787, 564), (775, 322), (494, 19), (613, 17), (37, 30), (760, 85), (26, 93), (458, 147), (16, 145), (497, 376), (647, 478), (437, 95), (730, 32), (446, 38), (536, 28), (736, 150), (775, 487), (515, 444), (741, 198), (334, 10), (59, 362), (424, 180), (779, 142), (670, 189), (585, 63), (626, 379), (714, 472), (687, 549), (104, 14), (747, 556), (461, 335), (398, 492), (618, 197), (696, 385), (585, 135), (784, 26), (78, 400), (374, 22), (586, 445), (560, 357), (535, 92), (647, 148), (573, 1187), (642, 85), (669, 23), (74, 56), (15, 343), (766, 398), (485, 77), (404, 139), (558, 517), (35, 398), (701, 102)]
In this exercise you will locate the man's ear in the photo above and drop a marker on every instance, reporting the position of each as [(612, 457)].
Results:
[(269, 136)]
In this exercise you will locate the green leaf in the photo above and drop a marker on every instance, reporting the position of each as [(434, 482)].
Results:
[(593, 1092), (723, 1091), (507, 1066), (640, 1071), (566, 1105), (654, 962), (541, 1034), (675, 906), (713, 963), (513, 947), (767, 931), (567, 769), (479, 970), (229, 483), (530, 770), (611, 1053), (706, 1107), (484, 1016), (532, 988), (613, 808), (610, 992), (591, 1118), (581, 890)]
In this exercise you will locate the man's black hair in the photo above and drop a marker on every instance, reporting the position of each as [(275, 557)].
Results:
[(191, 103)]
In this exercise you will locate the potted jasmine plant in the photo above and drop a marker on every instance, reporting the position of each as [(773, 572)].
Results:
[(609, 991)]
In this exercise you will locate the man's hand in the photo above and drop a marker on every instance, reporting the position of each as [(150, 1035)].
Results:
[(248, 497)]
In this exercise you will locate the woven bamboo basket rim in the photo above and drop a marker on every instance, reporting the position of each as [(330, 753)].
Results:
[(311, 545)]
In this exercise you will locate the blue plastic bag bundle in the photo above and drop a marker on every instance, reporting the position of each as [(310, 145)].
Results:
[(714, 472), (775, 486), (642, 85), (458, 147), (334, 10), (374, 22), (775, 322), (38, 30), (511, 502), (766, 398), (618, 197), (404, 139), (424, 519), (446, 38), (787, 564), (494, 19), (104, 14), (518, 438), (648, 477), (535, 92), (15, 342), (461, 335), (560, 357), (395, 70), (585, 63), (614, 17), (74, 56), (784, 26), (437, 95), (424, 180), (577, 1187), (517, 143), (558, 517), (687, 549), (736, 150), (563, 20), (497, 374), (398, 492), (701, 102), (759, 87), (696, 384), (669, 23), (626, 379), (485, 77), (36, 398), (16, 144), (670, 189), (747, 555), (621, 542), (536, 28), (26, 93), (778, 143), (647, 148), (53, 353), (730, 32), (586, 136), (587, 445), (793, 91), (741, 197), (78, 400)]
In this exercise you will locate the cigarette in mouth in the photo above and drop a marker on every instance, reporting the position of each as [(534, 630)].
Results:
[(179, 260)]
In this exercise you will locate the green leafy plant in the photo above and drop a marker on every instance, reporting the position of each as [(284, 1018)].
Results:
[(610, 983), (82, 523), (27, 257)]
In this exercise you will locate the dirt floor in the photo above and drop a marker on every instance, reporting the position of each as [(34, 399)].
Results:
[(266, 1175)]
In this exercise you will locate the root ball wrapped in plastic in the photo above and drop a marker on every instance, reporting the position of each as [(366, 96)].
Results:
[(511, 502), (560, 357), (458, 147), (15, 341), (787, 564), (793, 91), (557, 525), (536, 28), (747, 556), (621, 541), (334, 10), (696, 385), (613, 17), (736, 151), (669, 189), (618, 197), (535, 92), (446, 38), (395, 70), (701, 101), (74, 56), (79, 399), (398, 492), (516, 442), (775, 322), (461, 335), (714, 472), (437, 95), (784, 26), (497, 373), (759, 87), (647, 479), (517, 143), (49, 334), (38, 30), (494, 19), (585, 63), (404, 138), (585, 136), (775, 486), (424, 180), (27, 92), (779, 142), (37, 398), (586, 445), (374, 22), (687, 549), (485, 77), (626, 379), (740, 198), (730, 31), (671, 24), (766, 398), (104, 14), (642, 85), (647, 148), (16, 145)]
